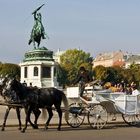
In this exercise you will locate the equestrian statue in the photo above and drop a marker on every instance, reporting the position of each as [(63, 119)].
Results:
[(38, 31)]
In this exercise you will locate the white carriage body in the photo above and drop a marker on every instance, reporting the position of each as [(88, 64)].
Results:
[(125, 104), (117, 102), (103, 101), (72, 92), (128, 104)]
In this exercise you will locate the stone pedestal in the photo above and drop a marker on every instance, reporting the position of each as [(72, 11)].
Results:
[(39, 68)]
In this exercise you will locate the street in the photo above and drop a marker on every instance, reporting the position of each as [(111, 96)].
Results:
[(113, 132)]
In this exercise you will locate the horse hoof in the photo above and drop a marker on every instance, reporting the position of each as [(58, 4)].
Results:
[(19, 128), (2, 129), (59, 129), (23, 131), (35, 127), (46, 127)]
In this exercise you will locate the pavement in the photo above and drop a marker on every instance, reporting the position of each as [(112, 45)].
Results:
[(13, 121)]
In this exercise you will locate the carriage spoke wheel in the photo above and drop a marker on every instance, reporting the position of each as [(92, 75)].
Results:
[(97, 116), (75, 119), (131, 120)]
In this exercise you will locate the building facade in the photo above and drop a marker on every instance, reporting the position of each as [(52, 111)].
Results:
[(133, 59), (110, 59), (57, 56)]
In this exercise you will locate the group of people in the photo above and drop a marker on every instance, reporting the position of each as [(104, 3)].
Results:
[(129, 89), (83, 77)]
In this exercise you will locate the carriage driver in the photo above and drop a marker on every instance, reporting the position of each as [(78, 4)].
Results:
[(82, 79)]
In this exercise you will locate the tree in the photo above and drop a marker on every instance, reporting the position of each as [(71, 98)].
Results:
[(61, 76), (12, 70), (111, 75), (100, 73), (71, 61), (135, 73)]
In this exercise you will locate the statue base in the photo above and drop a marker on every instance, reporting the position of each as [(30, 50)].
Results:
[(39, 54), (39, 68)]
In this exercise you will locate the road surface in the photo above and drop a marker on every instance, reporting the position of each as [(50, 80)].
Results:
[(113, 132)]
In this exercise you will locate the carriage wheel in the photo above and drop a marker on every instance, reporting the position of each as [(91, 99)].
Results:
[(131, 120), (97, 116), (75, 119)]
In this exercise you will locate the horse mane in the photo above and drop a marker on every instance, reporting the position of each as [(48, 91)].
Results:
[(25, 93), (2, 85), (20, 89)]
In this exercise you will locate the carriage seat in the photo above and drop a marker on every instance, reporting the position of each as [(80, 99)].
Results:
[(87, 98)]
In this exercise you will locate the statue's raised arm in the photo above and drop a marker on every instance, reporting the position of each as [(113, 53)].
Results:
[(37, 9)]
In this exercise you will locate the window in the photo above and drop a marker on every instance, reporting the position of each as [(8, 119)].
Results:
[(35, 71), (25, 72), (46, 72)]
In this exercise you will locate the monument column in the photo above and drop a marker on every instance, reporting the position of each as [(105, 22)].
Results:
[(52, 74)]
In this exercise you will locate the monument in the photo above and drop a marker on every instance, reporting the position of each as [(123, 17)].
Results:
[(38, 67)]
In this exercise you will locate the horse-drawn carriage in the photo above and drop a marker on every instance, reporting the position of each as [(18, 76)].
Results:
[(99, 105)]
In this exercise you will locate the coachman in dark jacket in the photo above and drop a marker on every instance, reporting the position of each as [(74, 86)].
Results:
[(82, 78)]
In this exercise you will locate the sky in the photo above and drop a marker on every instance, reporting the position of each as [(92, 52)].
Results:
[(94, 26)]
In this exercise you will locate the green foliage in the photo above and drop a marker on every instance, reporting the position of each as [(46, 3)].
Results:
[(100, 72), (11, 70), (111, 75), (61, 76), (118, 74), (135, 73), (71, 61)]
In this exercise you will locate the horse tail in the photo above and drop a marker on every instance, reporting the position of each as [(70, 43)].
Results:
[(65, 101)]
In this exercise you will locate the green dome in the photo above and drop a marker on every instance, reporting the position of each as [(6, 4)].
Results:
[(39, 54)]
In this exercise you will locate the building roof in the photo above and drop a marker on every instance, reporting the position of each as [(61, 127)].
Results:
[(106, 56), (119, 63), (133, 58)]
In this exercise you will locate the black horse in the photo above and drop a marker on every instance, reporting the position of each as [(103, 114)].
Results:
[(39, 98), (10, 98), (2, 85)]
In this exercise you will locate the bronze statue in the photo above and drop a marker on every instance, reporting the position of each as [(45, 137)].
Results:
[(38, 30)]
